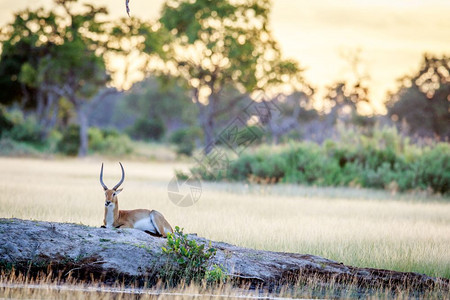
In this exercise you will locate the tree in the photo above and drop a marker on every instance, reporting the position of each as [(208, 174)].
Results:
[(69, 62), (25, 42), (154, 99), (219, 45), (295, 110), (346, 97), (423, 99)]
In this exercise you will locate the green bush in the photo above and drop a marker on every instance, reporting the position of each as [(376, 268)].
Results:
[(117, 146), (147, 129), (216, 275), (108, 141), (184, 139), (53, 139), (70, 141), (383, 160), (186, 260), (96, 139), (433, 168), (5, 122), (10, 147), (22, 129)]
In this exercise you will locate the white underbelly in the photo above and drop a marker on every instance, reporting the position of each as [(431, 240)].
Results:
[(145, 225)]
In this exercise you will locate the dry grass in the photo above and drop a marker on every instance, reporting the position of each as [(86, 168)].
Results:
[(357, 227), (43, 286)]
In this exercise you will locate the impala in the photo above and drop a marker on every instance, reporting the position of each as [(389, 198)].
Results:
[(146, 220)]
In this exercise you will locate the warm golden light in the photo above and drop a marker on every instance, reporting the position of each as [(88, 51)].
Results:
[(392, 35)]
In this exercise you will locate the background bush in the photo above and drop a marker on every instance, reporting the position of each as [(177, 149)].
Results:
[(70, 141), (10, 147), (107, 141), (185, 139), (383, 160), (17, 127), (147, 129), (5, 123)]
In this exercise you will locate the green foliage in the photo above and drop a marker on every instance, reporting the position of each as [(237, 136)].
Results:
[(433, 168), (43, 48), (187, 260), (5, 123), (54, 54), (70, 141), (107, 141), (382, 160), (9, 147), (146, 128), (20, 128), (185, 139), (238, 52), (158, 100), (27, 131), (24, 136), (216, 275)]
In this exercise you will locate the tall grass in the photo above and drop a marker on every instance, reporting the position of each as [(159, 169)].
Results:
[(358, 227), (46, 286)]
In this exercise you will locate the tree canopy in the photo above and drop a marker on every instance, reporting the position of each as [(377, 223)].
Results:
[(220, 44), (56, 54), (423, 99)]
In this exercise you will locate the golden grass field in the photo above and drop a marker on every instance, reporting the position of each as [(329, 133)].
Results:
[(363, 228)]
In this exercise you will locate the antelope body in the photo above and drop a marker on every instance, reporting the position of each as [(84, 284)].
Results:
[(150, 221)]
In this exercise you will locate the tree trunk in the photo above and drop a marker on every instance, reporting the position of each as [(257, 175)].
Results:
[(206, 120), (132, 256), (209, 123), (208, 130), (40, 105), (50, 113), (84, 126)]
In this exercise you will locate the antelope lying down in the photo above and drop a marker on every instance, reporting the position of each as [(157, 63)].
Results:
[(150, 221)]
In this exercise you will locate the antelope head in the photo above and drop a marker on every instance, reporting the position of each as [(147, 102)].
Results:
[(111, 194)]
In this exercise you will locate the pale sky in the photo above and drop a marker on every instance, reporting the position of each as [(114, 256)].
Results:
[(392, 34)]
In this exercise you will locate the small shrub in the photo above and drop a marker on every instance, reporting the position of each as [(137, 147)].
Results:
[(9, 147), (70, 141), (117, 146), (241, 169), (24, 129), (5, 123), (181, 175), (187, 260), (53, 139), (96, 139), (108, 141), (434, 168), (216, 275), (185, 139), (147, 129)]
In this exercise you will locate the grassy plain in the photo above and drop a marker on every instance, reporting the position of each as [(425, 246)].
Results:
[(363, 228)]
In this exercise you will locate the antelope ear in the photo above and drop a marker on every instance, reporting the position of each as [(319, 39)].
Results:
[(118, 191)]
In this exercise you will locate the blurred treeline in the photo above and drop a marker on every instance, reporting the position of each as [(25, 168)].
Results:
[(65, 74)]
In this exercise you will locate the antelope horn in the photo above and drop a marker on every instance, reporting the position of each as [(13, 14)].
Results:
[(121, 180), (101, 179)]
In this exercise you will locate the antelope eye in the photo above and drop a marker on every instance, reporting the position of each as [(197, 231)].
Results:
[(114, 194)]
